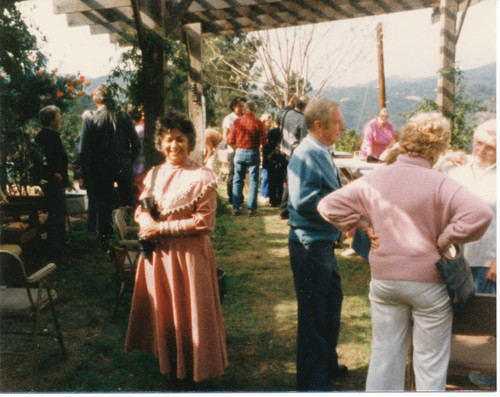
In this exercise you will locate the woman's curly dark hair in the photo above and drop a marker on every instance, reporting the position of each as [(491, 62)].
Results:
[(174, 120)]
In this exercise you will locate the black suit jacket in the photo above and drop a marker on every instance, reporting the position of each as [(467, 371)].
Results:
[(108, 142)]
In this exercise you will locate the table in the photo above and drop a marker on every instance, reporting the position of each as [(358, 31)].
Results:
[(352, 167), (15, 208)]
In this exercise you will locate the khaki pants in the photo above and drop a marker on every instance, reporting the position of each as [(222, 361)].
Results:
[(393, 304)]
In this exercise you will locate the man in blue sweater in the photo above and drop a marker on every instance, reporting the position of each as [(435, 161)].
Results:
[(311, 176)]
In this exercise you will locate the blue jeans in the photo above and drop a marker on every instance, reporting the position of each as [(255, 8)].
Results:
[(319, 296), (483, 285), (264, 184), (246, 159)]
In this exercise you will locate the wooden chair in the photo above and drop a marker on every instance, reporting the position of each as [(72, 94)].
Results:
[(126, 255), (23, 296), (473, 341)]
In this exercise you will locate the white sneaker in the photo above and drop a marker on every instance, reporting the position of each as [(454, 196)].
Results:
[(349, 252)]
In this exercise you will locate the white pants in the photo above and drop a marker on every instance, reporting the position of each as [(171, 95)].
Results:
[(393, 304)]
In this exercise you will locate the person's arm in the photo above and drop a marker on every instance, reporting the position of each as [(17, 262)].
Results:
[(366, 146), (132, 137), (492, 271), (231, 138), (343, 208), (465, 216), (80, 159)]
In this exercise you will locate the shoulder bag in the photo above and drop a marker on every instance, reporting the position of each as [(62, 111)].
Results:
[(458, 277)]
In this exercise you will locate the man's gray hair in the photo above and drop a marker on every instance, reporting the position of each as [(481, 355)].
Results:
[(250, 107), (318, 109), (48, 114), (487, 131)]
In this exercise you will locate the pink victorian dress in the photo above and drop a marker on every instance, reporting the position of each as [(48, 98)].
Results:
[(376, 137), (176, 313)]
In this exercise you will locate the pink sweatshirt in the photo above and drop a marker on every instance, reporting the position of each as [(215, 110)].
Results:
[(413, 210)]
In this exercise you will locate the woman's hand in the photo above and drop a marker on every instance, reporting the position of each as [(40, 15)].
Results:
[(492, 271), (150, 230), (372, 236)]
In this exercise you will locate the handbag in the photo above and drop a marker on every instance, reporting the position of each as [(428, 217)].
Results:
[(458, 277)]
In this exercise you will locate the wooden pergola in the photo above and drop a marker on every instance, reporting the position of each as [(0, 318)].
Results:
[(191, 20)]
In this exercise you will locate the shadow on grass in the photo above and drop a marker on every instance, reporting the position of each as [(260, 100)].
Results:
[(259, 317)]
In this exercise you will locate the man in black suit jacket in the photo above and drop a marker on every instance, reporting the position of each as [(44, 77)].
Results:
[(107, 149)]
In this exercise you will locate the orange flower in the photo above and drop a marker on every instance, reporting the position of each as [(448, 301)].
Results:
[(59, 94), (87, 83), (66, 75), (71, 88), (39, 73), (55, 70), (81, 79), (53, 79), (80, 93)]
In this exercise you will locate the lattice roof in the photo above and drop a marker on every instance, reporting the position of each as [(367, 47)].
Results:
[(218, 17)]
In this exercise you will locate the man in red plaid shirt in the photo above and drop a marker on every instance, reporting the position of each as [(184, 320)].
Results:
[(247, 136)]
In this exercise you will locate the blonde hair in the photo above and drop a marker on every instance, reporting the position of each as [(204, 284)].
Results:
[(425, 135)]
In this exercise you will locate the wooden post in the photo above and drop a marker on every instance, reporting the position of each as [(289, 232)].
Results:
[(381, 73), (193, 44), (446, 77)]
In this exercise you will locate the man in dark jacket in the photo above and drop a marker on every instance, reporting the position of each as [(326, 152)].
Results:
[(54, 175), (107, 149)]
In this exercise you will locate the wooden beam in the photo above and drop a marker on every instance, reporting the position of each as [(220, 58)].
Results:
[(446, 77), (194, 43), (115, 27), (65, 6)]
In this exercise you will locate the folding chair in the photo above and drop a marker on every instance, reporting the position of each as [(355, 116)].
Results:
[(23, 296), (125, 256), (473, 341)]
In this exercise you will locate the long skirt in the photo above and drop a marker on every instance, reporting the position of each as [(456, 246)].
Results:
[(176, 313)]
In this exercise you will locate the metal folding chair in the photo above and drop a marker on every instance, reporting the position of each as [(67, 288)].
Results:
[(23, 296)]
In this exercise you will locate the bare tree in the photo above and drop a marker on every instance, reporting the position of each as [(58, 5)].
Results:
[(304, 59)]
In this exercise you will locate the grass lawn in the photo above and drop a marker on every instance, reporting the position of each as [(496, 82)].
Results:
[(259, 316)]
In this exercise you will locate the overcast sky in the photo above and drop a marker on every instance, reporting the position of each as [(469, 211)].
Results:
[(411, 43)]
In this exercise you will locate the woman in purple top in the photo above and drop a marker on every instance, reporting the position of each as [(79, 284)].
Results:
[(412, 214), (378, 133)]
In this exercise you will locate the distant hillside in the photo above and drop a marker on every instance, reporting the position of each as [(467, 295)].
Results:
[(360, 103)]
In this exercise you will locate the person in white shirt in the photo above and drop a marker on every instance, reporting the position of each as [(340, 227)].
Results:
[(479, 176)]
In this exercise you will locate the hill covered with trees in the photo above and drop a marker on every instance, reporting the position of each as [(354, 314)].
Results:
[(360, 103)]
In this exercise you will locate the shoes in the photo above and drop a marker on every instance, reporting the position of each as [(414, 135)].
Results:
[(252, 212), (340, 372), (348, 252), (284, 216), (236, 212), (263, 200)]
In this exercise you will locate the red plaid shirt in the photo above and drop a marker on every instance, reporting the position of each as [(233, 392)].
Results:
[(247, 132)]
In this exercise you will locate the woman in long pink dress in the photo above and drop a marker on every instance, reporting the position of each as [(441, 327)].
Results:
[(176, 313)]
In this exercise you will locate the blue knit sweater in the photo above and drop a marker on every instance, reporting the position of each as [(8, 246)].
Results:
[(311, 176)]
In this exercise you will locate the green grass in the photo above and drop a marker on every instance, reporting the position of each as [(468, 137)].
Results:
[(259, 317)]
